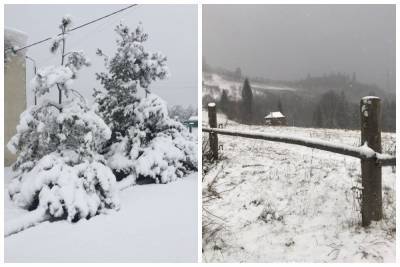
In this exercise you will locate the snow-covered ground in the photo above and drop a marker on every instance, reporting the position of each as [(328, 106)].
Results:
[(156, 223), (274, 202)]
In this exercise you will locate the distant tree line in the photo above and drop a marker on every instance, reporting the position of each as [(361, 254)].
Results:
[(331, 109), (182, 113), (332, 80)]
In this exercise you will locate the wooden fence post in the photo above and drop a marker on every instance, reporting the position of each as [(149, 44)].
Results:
[(213, 137), (371, 172)]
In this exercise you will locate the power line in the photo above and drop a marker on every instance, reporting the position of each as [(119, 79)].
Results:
[(73, 29), (98, 30), (106, 16)]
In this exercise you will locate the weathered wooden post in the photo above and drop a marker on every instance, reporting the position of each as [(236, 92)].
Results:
[(371, 172), (213, 137)]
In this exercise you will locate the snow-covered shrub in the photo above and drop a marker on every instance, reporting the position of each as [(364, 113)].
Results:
[(38, 132), (36, 136), (156, 146), (58, 166), (66, 186), (62, 171), (82, 129), (145, 141)]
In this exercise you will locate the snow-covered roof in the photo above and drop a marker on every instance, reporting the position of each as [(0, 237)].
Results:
[(15, 37), (274, 115), (370, 97), (193, 118)]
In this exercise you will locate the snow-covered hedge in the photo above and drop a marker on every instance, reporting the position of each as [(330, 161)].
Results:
[(66, 187)]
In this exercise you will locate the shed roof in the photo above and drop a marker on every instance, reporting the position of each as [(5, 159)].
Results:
[(274, 115)]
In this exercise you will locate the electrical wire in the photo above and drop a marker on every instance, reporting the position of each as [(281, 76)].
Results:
[(73, 29)]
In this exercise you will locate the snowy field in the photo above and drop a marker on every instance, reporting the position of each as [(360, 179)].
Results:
[(156, 223), (274, 202)]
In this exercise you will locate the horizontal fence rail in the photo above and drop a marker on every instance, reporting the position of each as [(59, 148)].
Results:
[(361, 152)]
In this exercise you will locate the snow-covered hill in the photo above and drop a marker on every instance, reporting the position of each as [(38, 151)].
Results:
[(213, 84), (272, 202)]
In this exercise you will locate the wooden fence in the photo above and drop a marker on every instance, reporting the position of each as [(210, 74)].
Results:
[(370, 153)]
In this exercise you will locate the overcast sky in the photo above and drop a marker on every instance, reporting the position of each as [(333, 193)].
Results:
[(289, 41), (172, 30)]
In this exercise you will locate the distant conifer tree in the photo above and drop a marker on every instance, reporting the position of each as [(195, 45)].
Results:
[(247, 103)]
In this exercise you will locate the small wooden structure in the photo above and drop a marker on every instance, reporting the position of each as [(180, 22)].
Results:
[(275, 118)]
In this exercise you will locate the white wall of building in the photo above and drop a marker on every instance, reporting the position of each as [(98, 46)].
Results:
[(14, 88)]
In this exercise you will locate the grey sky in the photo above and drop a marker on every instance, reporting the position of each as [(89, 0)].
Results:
[(288, 41), (172, 30)]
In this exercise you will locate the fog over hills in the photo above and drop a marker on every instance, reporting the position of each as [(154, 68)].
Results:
[(292, 42)]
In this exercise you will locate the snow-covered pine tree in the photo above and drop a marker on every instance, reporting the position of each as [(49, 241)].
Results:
[(145, 142), (58, 167)]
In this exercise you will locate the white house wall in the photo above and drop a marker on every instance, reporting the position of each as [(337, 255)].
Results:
[(14, 90)]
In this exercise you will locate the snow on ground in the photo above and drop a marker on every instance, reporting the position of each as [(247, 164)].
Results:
[(275, 202), (156, 223), (11, 211)]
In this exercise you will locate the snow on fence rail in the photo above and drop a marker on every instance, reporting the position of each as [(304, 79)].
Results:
[(370, 152), (361, 152)]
